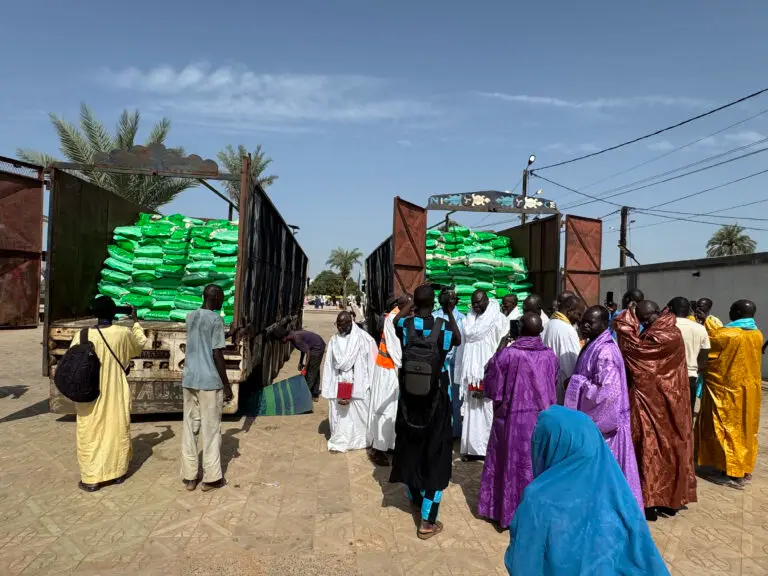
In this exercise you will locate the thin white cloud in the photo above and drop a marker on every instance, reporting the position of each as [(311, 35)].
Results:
[(232, 96), (597, 103), (744, 138), (663, 146), (405, 143), (588, 148)]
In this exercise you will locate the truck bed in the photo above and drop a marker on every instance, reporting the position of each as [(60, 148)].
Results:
[(155, 377)]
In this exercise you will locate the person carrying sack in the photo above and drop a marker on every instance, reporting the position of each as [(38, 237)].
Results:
[(423, 427)]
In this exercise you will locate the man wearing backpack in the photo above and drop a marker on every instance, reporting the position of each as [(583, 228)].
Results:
[(423, 433), (104, 424)]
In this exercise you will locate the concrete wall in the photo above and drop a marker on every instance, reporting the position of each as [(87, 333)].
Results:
[(724, 280)]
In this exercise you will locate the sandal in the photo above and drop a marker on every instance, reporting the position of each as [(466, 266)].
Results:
[(437, 528), (727, 482)]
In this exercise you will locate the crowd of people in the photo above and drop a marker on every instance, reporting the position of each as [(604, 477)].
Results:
[(527, 392), (584, 400)]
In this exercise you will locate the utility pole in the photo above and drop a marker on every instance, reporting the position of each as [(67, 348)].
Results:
[(623, 236), (525, 192)]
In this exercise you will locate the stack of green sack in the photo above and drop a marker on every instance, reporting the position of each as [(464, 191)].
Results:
[(475, 261), (162, 264)]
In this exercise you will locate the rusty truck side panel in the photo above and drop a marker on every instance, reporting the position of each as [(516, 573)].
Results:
[(21, 239), (583, 252), (409, 246)]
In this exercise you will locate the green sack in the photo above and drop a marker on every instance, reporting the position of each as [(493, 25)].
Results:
[(179, 315), (114, 276), (166, 283), (118, 265), (223, 282), (141, 313), (119, 254), (149, 252), (180, 235), (221, 272), (163, 304), (112, 290), (464, 289), (159, 315), (164, 294), (501, 292), (177, 259), (175, 248), (459, 231), (477, 267), (138, 300), (225, 235), (198, 242), (460, 270), (451, 247), (485, 237), (229, 292), (200, 254), (500, 242), (170, 270), (133, 232), (225, 261), (157, 229), (217, 224), (175, 219), (144, 276), (195, 279), (437, 265), (225, 249), (125, 243), (431, 244), (434, 234), (201, 232), (187, 302), (140, 288), (144, 219), (193, 221), (518, 286), (200, 266), (227, 320), (229, 302), (152, 241), (194, 290), (463, 308), (147, 263), (485, 286)]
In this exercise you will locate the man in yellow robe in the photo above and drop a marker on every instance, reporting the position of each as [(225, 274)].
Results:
[(104, 425), (726, 431)]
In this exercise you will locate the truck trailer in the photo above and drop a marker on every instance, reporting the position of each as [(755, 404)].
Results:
[(398, 264), (269, 290)]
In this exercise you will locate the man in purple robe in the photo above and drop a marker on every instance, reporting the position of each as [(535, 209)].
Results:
[(598, 388), (521, 380)]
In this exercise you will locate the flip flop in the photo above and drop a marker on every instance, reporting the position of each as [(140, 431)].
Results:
[(438, 527), (727, 482)]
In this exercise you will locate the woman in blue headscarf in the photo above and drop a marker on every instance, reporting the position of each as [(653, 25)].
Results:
[(578, 516)]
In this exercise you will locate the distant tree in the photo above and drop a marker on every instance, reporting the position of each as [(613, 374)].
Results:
[(343, 261), (79, 145), (232, 161), (327, 283), (730, 240)]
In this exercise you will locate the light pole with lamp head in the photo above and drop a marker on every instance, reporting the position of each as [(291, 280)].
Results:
[(531, 160)]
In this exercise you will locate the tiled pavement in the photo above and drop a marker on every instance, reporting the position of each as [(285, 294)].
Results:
[(290, 506)]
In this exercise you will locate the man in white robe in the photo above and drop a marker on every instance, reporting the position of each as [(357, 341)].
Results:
[(562, 337), (349, 359), (510, 308), (484, 328), (384, 391)]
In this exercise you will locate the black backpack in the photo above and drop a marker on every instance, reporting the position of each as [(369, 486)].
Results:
[(77, 373), (422, 359)]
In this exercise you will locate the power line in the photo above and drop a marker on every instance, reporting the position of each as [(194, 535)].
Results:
[(607, 193), (657, 132), (678, 219), (670, 179), (687, 145), (564, 187)]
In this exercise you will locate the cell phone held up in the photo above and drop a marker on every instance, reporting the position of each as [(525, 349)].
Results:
[(514, 329)]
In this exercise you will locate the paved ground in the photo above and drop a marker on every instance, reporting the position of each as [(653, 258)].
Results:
[(290, 506)]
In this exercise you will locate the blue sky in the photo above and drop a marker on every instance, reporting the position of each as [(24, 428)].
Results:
[(359, 101)]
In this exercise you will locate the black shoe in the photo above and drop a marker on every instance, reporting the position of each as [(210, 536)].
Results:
[(88, 487)]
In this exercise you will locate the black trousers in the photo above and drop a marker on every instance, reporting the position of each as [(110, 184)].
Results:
[(693, 380), (313, 374)]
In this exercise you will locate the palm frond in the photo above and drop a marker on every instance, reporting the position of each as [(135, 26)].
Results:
[(159, 132), (98, 138), (127, 127), (71, 142), (35, 157)]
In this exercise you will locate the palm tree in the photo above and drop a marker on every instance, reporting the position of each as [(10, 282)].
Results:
[(343, 261), (232, 160), (79, 145), (730, 240)]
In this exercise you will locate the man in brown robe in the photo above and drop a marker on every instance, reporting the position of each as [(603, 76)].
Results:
[(660, 406)]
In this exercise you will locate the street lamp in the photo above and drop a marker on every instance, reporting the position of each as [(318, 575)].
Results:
[(531, 160)]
